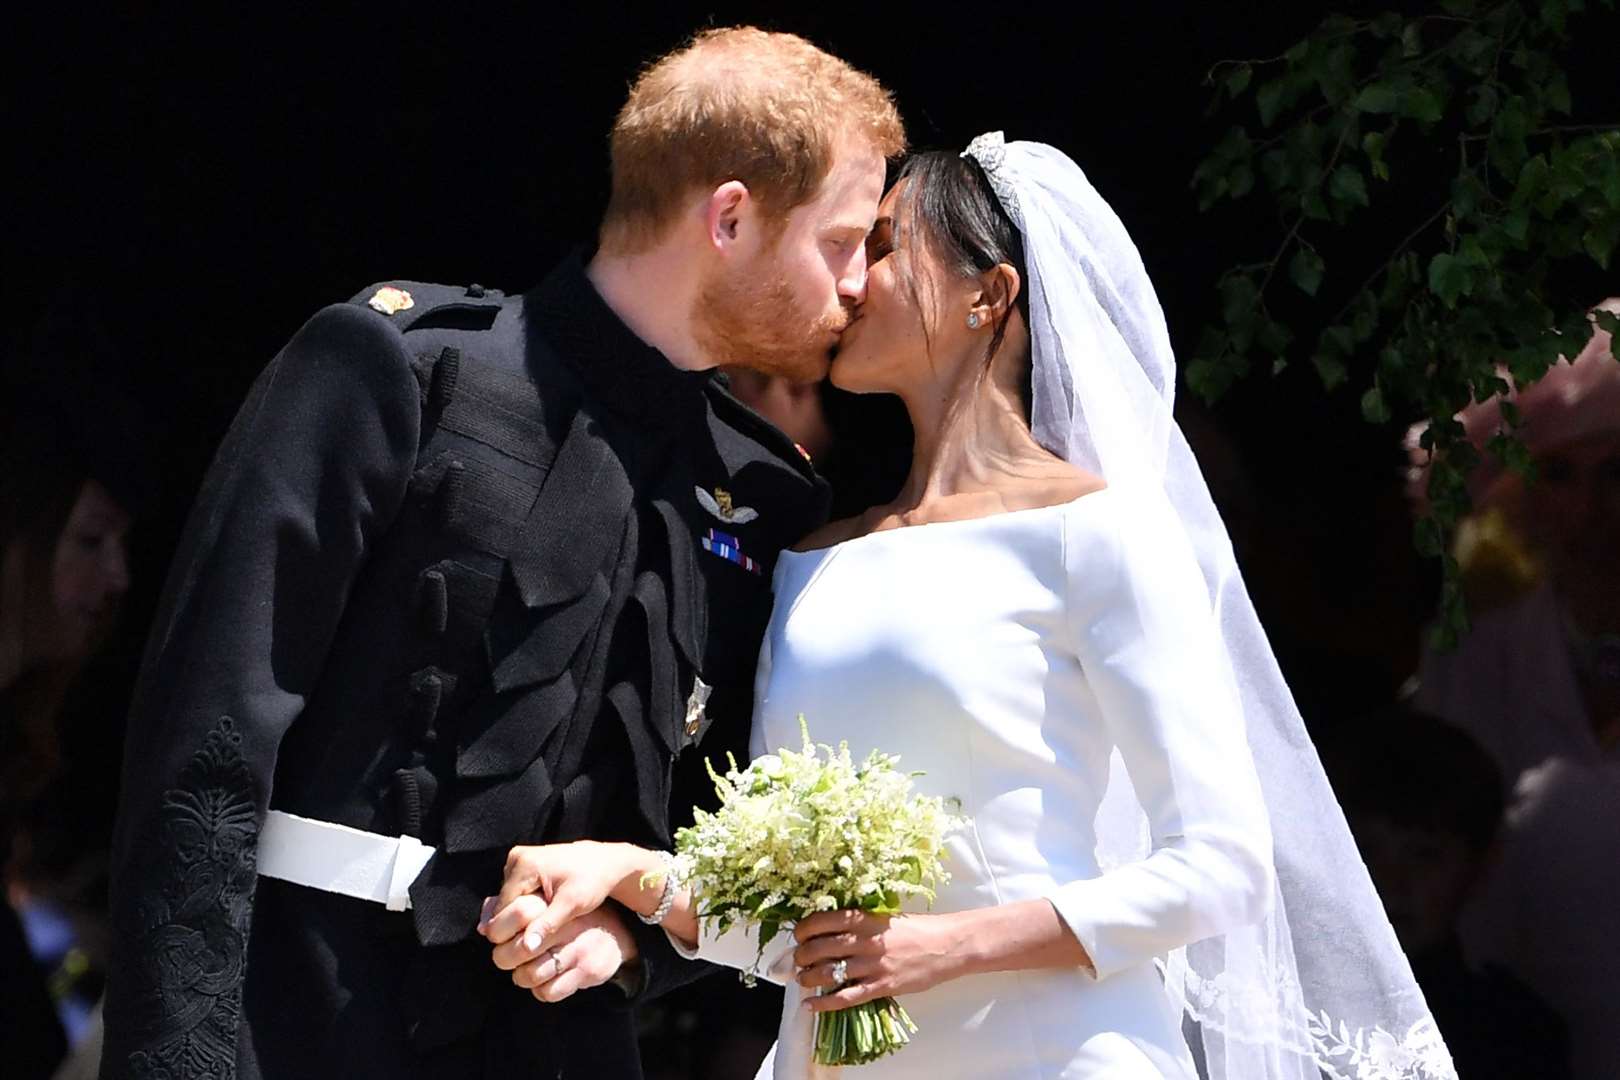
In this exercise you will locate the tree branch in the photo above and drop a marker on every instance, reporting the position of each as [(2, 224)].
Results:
[(1276, 260), (1556, 129), (1400, 249)]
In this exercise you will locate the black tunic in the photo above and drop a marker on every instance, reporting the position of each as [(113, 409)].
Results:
[(450, 575)]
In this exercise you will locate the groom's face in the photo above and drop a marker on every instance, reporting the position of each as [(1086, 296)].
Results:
[(781, 310)]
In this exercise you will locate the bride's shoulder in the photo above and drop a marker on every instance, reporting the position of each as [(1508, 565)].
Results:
[(834, 532), (1063, 485)]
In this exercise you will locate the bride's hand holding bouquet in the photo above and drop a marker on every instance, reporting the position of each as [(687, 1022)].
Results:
[(808, 840)]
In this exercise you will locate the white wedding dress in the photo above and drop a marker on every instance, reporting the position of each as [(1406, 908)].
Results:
[(1009, 658)]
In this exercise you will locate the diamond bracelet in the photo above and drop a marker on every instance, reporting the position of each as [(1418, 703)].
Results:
[(666, 899)]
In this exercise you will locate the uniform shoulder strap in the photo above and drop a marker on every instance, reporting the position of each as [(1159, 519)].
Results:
[(418, 305)]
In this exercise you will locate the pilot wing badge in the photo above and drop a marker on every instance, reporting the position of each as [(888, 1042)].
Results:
[(716, 542), (720, 505)]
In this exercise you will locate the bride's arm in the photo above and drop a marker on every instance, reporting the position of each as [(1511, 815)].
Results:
[(1152, 654), (1147, 642)]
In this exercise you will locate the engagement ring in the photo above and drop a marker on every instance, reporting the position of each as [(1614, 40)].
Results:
[(840, 974)]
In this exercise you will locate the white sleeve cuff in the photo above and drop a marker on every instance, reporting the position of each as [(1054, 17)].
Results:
[(739, 948)]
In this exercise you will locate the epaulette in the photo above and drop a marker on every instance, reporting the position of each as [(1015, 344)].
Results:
[(419, 305)]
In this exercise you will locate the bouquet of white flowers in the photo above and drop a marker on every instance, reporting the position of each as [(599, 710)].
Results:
[(798, 833)]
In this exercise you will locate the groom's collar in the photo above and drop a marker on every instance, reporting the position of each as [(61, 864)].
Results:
[(618, 368)]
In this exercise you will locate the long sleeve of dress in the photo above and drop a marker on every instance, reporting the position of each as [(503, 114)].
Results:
[(1149, 648), (314, 468)]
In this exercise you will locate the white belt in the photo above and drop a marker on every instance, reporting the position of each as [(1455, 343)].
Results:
[(342, 860)]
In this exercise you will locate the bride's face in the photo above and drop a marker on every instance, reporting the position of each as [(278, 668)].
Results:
[(898, 328)]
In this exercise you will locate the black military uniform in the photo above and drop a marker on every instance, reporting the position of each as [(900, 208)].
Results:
[(453, 575)]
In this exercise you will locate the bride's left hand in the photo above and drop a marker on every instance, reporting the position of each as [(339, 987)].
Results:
[(884, 956)]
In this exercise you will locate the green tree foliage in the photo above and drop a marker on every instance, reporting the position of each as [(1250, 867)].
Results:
[(1452, 133)]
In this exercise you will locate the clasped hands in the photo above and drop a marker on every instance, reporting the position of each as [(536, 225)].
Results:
[(553, 930), (549, 926)]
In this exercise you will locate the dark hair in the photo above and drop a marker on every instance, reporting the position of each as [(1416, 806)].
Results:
[(1416, 771), (949, 199), (44, 467)]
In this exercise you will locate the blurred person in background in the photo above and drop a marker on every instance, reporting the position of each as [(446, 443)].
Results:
[(1537, 682), (860, 443), (1425, 803), (65, 516)]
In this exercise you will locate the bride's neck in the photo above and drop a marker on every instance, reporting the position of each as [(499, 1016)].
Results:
[(969, 438)]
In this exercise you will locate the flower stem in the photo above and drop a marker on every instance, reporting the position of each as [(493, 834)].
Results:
[(862, 1033)]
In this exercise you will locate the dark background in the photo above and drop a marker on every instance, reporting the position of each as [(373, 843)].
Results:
[(201, 186)]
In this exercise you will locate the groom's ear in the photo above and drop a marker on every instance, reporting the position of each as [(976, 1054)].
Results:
[(727, 207)]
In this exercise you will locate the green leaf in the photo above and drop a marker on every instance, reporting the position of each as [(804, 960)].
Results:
[(1517, 226), (1372, 144), (1332, 371), (1238, 296), (1473, 50), (1428, 538), (1348, 185), (1484, 104), (1278, 168), (1335, 73), (1208, 379), (1306, 268), (1240, 181), (1607, 320), (1599, 240), (1421, 105), (1412, 40), (1378, 98), (1534, 178), (1607, 167), (1238, 81), (1373, 407), (1514, 453), (1274, 337), (1449, 278), (1508, 133), (1269, 98), (1556, 94), (1365, 320), (1513, 121), (1466, 191)]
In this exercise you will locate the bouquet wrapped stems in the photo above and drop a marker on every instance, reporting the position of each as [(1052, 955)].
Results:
[(808, 831), (862, 1033)]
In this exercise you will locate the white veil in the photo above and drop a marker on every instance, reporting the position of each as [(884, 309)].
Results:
[(1321, 986)]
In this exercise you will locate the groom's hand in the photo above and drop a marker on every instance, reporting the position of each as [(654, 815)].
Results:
[(584, 952), (567, 880)]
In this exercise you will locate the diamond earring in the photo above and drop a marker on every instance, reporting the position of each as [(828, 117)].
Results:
[(973, 320)]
